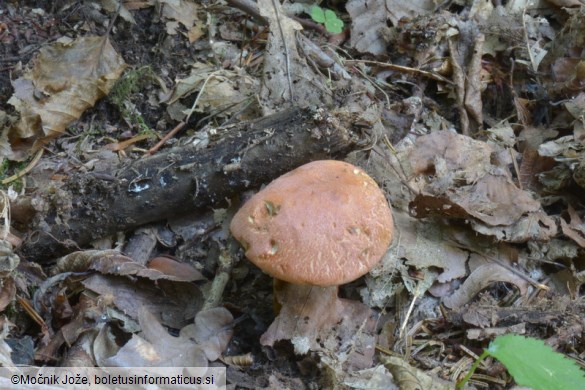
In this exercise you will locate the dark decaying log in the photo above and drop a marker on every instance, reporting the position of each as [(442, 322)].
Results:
[(184, 179)]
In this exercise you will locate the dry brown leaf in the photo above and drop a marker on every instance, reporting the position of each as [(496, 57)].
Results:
[(567, 3), (138, 4), (177, 302), (368, 20), (287, 78), (224, 91), (466, 50), (65, 80), (480, 278), (575, 230), (157, 348), (462, 182), (181, 11), (87, 312), (411, 378), (7, 292), (212, 331), (181, 271), (112, 262)]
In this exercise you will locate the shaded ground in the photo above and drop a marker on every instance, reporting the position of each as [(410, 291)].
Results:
[(470, 118)]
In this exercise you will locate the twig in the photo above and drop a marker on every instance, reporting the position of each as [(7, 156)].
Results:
[(26, 170), (404, 69), (164, 139), (224, 269), (286, 51)]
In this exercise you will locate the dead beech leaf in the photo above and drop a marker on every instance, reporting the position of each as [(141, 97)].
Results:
[(112, 262), (368, 19), (65, 80), (179, 271), (156, 348), (480, 278), (177, 302), (575, 230), (423, 245), (224, 91), (408, 377), (212, 331), (287, 78), (7, 292), (460, 181), (181, 11)]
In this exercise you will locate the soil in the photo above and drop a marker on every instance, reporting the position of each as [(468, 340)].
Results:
[(76, 194)]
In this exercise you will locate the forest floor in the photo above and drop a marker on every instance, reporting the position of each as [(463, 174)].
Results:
[(470, 116)]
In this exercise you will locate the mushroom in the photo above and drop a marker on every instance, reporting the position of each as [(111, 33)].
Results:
[(321, 225)]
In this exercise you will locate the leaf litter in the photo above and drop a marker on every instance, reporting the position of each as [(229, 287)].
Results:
[(472, 120)]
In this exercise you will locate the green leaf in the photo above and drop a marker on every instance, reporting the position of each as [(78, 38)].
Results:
[(334, 26), (534, 364), (329, 15), (317, 14)]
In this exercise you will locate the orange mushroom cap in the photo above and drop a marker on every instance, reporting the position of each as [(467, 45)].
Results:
[(325, 223)]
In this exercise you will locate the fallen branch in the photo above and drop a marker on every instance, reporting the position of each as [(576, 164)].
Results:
[(90, 206)]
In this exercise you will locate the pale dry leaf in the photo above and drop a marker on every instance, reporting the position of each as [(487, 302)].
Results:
[(575, 229), (212, 331), (112, 262), (410, 378), (376, 378), (224, 91), (180, 11), (177, 302), (8, 259), (368, 21), (462, 183), (112, 6), (480, 278), (5, 350), (65, 80), (287, 79), (423, 245), (156, 348)]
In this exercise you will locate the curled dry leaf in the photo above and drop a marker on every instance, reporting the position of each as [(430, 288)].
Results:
[(224, 91), (8, 259), (481, 278), (112, 262), (461, 182), (286, 77), (7, 292), (212, 331), (179, 11), (156, 348), (172, 268), (177, 302), (575, 229), (65, 80), (408, 377)]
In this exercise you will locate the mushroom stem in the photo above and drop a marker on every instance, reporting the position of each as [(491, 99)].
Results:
[(304, 310)]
